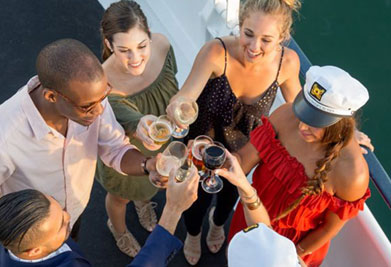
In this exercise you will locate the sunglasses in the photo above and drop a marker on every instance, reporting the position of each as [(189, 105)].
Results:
[(89, 108)]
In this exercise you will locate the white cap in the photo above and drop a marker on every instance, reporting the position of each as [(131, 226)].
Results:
[(329, 94), (258, 245)]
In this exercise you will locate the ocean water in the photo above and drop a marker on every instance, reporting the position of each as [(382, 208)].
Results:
[(356, 36)]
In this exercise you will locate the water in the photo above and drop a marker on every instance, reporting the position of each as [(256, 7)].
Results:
[(355, 36)]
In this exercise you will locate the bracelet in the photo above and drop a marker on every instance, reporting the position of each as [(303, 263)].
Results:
[(252, 205), (302, 250), (144, 165), (250, 197)]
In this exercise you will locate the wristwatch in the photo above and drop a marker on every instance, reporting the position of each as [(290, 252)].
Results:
[(144, 165)]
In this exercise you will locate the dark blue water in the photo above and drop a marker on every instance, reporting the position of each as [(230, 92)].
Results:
[(356, 36)]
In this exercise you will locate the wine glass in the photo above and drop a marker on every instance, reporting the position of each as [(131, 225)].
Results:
[(161, 130), (214, 157), (185, 171), (197, 150), (186, 112), (172, 157)]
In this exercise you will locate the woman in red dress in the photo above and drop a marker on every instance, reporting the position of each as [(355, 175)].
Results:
[(311, 176)]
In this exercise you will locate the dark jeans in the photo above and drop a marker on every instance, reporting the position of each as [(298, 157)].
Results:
[(75, 230), (226, 200)]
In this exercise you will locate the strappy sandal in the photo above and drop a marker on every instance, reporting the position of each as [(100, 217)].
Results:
[(216, 237), (125, 242), (192, 248), (146, 214)]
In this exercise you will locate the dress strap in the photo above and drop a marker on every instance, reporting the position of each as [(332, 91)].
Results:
[(279, 65), (225, 53)]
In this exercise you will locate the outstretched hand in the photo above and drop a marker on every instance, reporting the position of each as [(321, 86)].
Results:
[(181, 195), (233, 171)]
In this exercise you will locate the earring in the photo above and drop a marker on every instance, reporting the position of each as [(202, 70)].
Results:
[(111, 50)]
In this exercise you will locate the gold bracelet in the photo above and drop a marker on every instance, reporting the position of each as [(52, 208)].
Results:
[(252, 205)]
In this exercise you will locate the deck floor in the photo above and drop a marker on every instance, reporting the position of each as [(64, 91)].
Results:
[(26, 27)]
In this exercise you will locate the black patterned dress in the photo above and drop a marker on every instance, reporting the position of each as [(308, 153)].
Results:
[(226, 119)]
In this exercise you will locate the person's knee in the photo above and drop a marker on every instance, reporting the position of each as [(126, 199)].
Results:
[(116, 199)]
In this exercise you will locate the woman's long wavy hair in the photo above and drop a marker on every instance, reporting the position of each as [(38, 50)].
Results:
[(335, 137)]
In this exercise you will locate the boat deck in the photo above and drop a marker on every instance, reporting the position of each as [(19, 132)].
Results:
[(26, 27)]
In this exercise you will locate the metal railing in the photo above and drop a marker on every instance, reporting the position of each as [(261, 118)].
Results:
[(378, 175)]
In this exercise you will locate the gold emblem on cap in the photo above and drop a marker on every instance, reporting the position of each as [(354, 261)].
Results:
[(317, 91), (251, 227)]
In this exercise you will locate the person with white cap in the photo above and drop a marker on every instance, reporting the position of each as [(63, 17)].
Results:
[(311, 174)]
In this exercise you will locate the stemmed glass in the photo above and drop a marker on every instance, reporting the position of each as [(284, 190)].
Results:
[(185, 171), (161, 130), (197, 150), (186, 112), (213, 157), (172, 157)]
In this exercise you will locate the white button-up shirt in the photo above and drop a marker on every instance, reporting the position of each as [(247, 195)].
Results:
[(34, 155)]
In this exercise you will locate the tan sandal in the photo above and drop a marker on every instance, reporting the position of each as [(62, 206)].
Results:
[(125, 242), (216, 236), (146, 214), (192, 248)]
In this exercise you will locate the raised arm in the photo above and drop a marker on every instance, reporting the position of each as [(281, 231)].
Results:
[(208, 63)]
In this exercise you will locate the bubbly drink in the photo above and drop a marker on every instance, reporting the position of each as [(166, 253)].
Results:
[(166, 163), (160, 132)]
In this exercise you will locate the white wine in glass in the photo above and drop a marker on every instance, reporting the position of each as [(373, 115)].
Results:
[(185, 113), (161, 130), (166, 163)]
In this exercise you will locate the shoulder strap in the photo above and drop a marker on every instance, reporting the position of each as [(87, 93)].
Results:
[(225, 53), (279, 65)]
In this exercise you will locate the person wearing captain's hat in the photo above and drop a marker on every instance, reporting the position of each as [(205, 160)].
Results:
[(312, 176)]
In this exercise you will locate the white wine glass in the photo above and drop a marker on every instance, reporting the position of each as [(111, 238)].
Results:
[(186, 112), (161, 130), (172, 157)]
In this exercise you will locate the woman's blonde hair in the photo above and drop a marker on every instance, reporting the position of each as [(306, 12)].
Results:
[(283, 8)]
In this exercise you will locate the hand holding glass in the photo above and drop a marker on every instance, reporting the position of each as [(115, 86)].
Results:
[(172, 157)]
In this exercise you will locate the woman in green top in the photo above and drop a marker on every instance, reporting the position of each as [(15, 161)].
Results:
[(141, 68)]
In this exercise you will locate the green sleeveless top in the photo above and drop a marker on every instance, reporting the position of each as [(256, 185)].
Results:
[(128, 110)]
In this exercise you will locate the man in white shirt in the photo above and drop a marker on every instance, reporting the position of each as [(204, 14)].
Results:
[(54, 128)]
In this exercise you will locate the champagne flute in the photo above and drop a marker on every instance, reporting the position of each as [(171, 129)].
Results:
[(161, 130), (214, 157), (185, 171), (172, 157), (197, 150), (185, 113)]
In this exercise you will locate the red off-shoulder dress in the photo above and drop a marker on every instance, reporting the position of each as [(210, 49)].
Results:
[(279, 180)]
